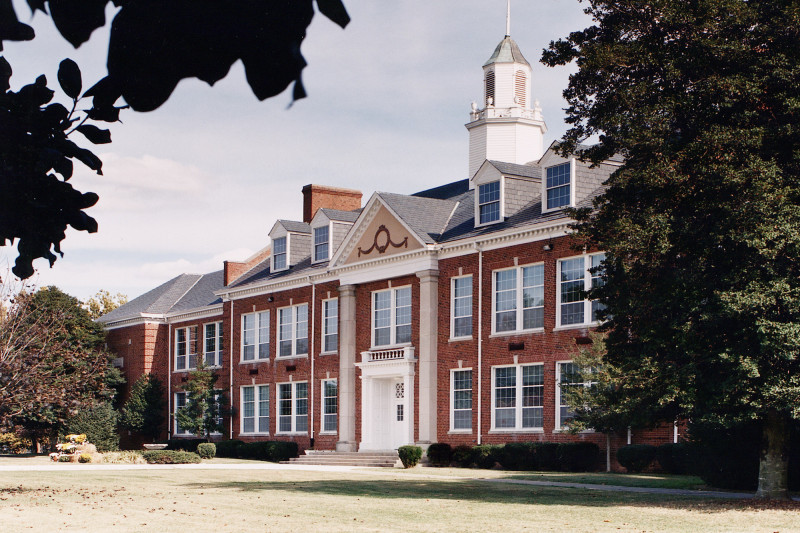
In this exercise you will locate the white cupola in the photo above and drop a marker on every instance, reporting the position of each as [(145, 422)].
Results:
[(508, 127)]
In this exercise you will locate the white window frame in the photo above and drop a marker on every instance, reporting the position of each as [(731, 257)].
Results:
[(326, 242), (330, 322), (393, 325), (294, 326), (559, 426), (453, 409), (285, 254), (216, 353), (176, 408), (518, 404), (501, 210), (261, 326), (261, 396), (587, 285), (572, 170), (453, 316), (295, 414), (328, 408), (519, 292), (190, 354)]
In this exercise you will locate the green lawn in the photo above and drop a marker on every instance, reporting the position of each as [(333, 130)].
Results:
[(291, 500)]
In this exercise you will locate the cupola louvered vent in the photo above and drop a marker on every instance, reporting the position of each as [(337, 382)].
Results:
[(490, 87), (519, 88)]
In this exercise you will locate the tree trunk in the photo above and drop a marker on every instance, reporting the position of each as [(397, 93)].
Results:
[(773, 468)]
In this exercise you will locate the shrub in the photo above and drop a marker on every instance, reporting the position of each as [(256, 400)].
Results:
[(99, 424), (675, 458), (85, 458), (228, 448), (206, 450), (486, 455), (126, 457), (518, 456), (268, 450), (462, 456), (13, 443), (440, 454), (547, 455), (66, 459), (171, 457), (187, 445), (409, 455), (636, 457), (578, 456)]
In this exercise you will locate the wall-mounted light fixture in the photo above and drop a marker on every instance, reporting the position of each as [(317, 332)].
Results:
[(547, 247), (270, 299)]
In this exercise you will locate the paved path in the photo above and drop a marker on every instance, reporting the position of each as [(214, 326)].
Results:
[(418, 473)]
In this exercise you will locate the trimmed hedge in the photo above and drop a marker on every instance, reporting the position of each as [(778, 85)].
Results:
[(675, 458), (462, 455), (409, 455), (228, 448), (170, 457), (187, 445), (578, 456), (267, 450), (440, 454), (206, 450), (519, 456), (636, 457), (553, 456)]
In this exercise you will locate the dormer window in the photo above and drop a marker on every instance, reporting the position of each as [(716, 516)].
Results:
[(321, 243), (489, 202), (279, 253), (559, 186)]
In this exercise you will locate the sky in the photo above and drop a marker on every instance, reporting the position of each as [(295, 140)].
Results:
[(203, 178)]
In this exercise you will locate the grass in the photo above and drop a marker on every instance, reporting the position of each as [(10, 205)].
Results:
[(293, 500)]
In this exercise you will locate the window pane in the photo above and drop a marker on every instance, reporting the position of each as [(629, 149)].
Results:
[(558, 186), (489, 202)]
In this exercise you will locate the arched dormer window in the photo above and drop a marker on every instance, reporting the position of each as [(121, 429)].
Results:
[(520, 86), (490, 87)]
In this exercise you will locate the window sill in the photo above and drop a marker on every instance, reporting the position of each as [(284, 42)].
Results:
[(326, 433), (557, 431), (389, 347), (289, 357), (534, 331), (512, 430), (291, 434), (253, 361), (460, 432), (335, 352), (460, 339), (493, 222), (253, 435), (577, 326)]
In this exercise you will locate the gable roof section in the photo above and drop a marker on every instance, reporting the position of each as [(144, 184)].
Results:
[(155, 302), (341, 216), (202, 293), (426, 217), (512, 169), (293, 226)]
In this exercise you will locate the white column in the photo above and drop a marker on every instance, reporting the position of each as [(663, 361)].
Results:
[(347, 370), (428, 342)]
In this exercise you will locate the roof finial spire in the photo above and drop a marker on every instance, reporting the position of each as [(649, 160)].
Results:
[(508, 19)]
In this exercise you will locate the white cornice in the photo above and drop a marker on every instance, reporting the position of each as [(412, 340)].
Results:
[(509, 237), (144, 318), (268, 286), (194, 314)]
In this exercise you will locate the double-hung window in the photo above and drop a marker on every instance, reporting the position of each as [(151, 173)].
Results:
[(255, 336), (489, 202), (518, 299), (461, 400), (212, 348), (391, 317), (558, 186), (330, 325), (255, 409), (293, 407), (293, 330), (321, 239), (461, 326), (186, 348), (279, 253), (330, 405), (180, 403), (576, 277), (517, 397), (568, 375)]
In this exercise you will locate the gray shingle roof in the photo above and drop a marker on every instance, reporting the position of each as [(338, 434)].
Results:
[(157, 301), (202, 293), (341, 216), (427, 217), (294, 226), (261, 272), (507, 52), (526, 171), (447, 191)]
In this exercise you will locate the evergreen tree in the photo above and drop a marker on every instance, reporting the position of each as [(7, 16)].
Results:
[(99, 424), (701, 224), (203, 403), (144, 410)]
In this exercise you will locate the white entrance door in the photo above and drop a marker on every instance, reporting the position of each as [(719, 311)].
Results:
[(398, 415)]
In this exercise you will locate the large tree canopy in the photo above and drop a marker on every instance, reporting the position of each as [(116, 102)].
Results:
[(153, 45), (701, 224)]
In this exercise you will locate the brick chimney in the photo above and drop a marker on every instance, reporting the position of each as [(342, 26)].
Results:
[(317, 196), (233, 270)]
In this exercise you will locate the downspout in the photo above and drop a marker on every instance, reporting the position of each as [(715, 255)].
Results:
[(230, 381), (311, 355), (169, 382), (480, 339)]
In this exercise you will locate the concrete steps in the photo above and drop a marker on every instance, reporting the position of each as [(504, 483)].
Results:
[(332, 458)]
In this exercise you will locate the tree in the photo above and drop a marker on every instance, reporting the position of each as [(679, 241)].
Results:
[(144, 410), (701, 224), (103, 303), (99, 424), (152, 47), (52, 362), (204, 402)]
